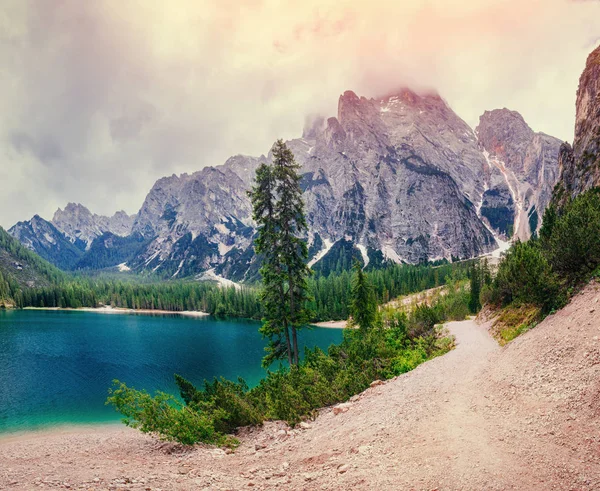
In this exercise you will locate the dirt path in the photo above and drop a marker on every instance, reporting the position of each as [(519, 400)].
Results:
[(481, 417)]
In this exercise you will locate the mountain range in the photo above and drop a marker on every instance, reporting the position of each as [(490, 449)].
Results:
[(398, 178)]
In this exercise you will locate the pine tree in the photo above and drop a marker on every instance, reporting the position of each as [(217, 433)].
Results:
[(278, 210), (291, 227), (363, 305)]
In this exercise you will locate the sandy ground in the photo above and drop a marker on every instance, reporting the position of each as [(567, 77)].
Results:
[(408, 302), (332, 324), (526, 416), (116, 310)]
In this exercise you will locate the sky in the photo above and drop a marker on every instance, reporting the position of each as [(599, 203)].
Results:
[(102, 98)]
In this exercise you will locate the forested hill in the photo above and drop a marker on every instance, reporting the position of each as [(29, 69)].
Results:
[(21, 268)]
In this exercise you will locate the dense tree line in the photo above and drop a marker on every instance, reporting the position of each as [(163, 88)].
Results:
[(174, 296), (329, 296)]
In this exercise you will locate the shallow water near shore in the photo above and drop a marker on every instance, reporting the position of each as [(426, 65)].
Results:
[(56, 367)]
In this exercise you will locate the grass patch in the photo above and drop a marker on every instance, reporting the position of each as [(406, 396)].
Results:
[(514, 321)]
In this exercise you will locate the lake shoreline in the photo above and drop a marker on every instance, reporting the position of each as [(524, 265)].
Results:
[(66, 429), (119, 310), (186, 313)]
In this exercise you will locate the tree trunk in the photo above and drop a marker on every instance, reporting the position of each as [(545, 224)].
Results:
[(292, 315), (295, 340), (287, 340), (285, 327)]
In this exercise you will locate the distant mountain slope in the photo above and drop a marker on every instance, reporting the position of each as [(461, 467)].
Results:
[(78, 239), (43, 238), (401, 178), (21, 268), (110, 250)]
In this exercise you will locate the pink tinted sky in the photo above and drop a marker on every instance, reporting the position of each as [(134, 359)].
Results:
[(102, 98)]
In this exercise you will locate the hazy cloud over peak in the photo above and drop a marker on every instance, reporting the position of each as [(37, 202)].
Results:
[(102, 98)]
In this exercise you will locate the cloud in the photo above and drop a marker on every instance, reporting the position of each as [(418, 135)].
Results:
[(102, 98)]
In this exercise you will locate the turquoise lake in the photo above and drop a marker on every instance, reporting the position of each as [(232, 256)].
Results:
[(56, 367)]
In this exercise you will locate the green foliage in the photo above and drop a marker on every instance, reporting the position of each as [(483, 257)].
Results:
[(476, 281), (331, 294), (538, 276), (515, 320), (571, 239), (20, 269), (173, 296), (341, 257)]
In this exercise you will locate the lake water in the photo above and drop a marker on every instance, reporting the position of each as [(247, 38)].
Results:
[(56, 367)]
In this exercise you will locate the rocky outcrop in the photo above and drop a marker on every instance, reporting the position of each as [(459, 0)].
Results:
[(196, 220), (580, 163), (523, 170), (397, 175)]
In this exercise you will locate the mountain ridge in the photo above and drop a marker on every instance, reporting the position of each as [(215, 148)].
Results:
[(403, 178)]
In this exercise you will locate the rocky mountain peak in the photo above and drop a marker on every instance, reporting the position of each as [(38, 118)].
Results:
[(334, 133), (78, 223), (72, 210), (400, 178)]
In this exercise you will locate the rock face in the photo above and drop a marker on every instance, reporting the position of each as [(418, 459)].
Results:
[(523, 169), (400, 178), (196, 220), (580, 163)]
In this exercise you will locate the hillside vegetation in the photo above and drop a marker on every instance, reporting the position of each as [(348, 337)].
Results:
[(539, 276), (21, 269)]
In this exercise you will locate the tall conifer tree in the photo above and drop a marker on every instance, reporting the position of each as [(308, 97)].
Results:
[(292, 226), (363, 304), (279, 212)]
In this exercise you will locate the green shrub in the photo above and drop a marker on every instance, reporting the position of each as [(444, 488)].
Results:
[(163, 416), (525, 276)]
